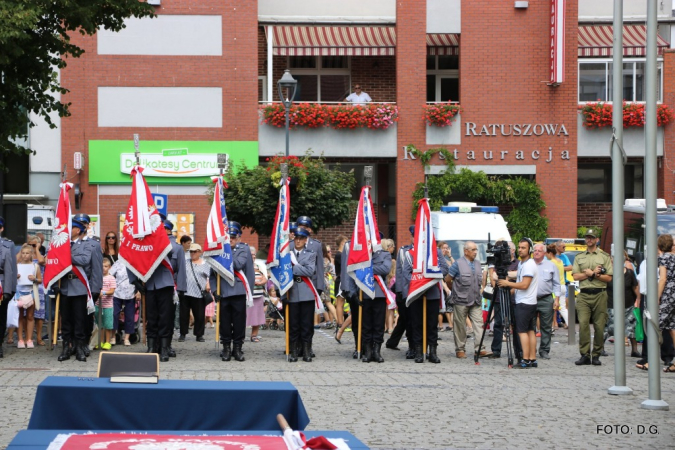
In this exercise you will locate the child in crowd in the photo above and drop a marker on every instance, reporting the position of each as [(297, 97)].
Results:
[(25, 288), (105, 301)]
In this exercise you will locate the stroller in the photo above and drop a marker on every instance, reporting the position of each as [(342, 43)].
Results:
[(273, 313), (136, 335)]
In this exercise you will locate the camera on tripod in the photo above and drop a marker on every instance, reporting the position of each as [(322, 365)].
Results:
[(499, 256)]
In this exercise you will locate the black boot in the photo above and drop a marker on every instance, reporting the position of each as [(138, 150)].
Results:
[(377, 357), (85, 349), (410, 354), (80, 355), (237, 353), (164, 350), (65, 352), (293, 357), (226, 354), (151, 345), (419, 354), (367, 352), (306, 352), (433, 358), (172, 352), (2, 355)]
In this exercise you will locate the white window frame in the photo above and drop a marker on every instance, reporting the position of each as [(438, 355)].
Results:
[(263, 96), (606, 61), (439, 74), (318, 71)]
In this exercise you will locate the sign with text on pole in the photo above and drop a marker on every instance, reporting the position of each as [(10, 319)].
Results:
[(166, 162), (161, 202), (557, 40)]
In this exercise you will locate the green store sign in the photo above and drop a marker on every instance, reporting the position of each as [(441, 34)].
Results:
[(165, 162)]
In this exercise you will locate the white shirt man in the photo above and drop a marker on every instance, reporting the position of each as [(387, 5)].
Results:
[(548, 286), (358, 97)]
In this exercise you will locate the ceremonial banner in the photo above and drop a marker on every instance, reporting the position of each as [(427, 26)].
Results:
[(144, 243), (426, 271), (279, 257), (365, 241), (58, 259), (217, 249)]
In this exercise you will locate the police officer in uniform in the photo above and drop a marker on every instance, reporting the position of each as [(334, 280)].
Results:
[(593, 269), (403, 323), (301, 299), (232, 307), (74, 294), (305, 223), (292, 228), (375, 311), (96, 280), (7, 278), (433, 296), (159, 304)]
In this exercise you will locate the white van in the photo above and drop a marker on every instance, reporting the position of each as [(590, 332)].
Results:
[(459, 222)]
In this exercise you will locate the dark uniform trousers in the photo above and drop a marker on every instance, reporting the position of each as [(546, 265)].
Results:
[(198, 308), (374, 312), (416, 310), (353, 301), (499, 328), (232, 312), (402, 324), (159, 310), (301, 316), (73, 318)]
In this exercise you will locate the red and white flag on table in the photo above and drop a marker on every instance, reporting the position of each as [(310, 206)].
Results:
[(144, 243), (426, 271), (365, 241), (58, 259)]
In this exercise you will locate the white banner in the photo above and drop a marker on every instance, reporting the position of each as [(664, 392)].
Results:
[(557, 41)]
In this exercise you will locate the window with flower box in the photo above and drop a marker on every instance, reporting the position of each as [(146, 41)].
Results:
[(320, 78), (596, 80)]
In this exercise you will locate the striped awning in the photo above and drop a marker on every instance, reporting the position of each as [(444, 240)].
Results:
[(597, 41), (333, 41), (442, 44)]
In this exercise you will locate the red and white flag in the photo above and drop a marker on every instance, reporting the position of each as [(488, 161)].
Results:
[(59, 261), (426, 270), (144, 243), (365, 241)]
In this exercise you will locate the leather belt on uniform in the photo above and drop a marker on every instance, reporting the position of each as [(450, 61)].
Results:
[(592, 290), (297, 279), (71, 276)]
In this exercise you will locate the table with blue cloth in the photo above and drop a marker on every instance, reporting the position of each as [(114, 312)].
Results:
[(76, 403), (40, 439)]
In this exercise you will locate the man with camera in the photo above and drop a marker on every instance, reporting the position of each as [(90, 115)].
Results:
[(526, 286), (593, 269)]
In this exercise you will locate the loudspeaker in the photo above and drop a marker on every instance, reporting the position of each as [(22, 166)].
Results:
[(129, 367), (16, 222)]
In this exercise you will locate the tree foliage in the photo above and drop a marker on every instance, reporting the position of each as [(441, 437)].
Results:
[(34, 42), (323, 194), (524, 195)]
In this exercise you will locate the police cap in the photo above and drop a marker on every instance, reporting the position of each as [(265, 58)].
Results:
[(305, 221), (301, 233), (235, 228), (82, 218), (168, 225)]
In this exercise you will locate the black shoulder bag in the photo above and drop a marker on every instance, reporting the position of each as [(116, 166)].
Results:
[(206, 295)]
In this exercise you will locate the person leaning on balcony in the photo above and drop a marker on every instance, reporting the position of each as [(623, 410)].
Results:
[(358, 97)]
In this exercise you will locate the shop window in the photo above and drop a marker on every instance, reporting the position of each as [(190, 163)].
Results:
[(320, 78), (442, 78), (595, 182), (596, 81)]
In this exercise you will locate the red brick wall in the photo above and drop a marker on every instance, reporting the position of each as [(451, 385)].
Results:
[(411, 55), (495, 89), (666, 171), (591, 215), (235, 71)]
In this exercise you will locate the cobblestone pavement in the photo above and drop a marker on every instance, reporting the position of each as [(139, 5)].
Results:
[(400, 404)]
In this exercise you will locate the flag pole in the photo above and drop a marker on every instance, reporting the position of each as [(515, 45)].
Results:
[(424, 298), (283, 167), (367, 176), (223, 160), (137, 154), (55, 335)]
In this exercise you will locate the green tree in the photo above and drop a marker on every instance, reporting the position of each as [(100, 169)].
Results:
[(322, 194), (34, 41), (524, 195)]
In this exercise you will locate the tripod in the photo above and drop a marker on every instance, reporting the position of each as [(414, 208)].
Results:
[(502, 296)]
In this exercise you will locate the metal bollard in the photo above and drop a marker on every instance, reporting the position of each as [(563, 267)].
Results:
[(571, 315)]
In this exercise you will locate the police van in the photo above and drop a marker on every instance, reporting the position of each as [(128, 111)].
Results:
[(459, 222)]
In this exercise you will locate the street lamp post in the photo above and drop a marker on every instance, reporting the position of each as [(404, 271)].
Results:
[(287, 85)]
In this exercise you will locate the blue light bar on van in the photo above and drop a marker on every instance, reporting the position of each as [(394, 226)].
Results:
[(470, 209)]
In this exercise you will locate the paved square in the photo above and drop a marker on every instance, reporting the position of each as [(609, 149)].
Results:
[(400, 404)]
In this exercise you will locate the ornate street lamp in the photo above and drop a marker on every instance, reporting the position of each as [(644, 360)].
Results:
[(287, 85)]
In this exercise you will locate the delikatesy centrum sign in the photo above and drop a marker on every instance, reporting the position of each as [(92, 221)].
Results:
[(166, 162)]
